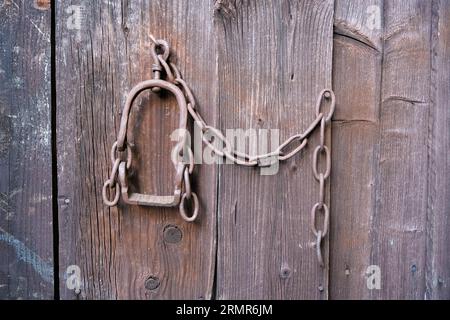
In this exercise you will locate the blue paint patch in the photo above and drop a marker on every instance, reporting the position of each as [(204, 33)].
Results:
[(23, 253)]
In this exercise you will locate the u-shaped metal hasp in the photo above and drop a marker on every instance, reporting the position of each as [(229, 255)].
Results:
[(147, 199)]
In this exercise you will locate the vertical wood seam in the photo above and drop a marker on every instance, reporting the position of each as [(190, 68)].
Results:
[(54, 156), (376, 159), (431, 157), (409, 283)]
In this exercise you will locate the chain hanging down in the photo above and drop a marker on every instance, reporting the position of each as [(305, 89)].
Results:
[(117, 183), (321, 177)]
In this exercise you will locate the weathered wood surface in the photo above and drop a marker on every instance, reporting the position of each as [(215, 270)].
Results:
[(396, 170), (101, 56), (274, 57), (438, 227), (356, 82), (251, 64), (399, 222), (393, 211), (26, 245)]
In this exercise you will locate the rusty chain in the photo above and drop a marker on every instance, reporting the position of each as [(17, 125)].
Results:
[(321, 177), (212, 137)]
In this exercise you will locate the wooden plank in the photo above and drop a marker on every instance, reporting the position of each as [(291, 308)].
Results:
[(102, 52), (356, 82), (274, 58), (26, 241), (438, 239), (399, 223)]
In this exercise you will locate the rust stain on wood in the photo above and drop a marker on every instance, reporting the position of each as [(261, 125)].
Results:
[(42, 4)]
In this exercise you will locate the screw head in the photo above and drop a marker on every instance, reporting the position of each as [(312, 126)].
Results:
[(152, 283), (172, 234)]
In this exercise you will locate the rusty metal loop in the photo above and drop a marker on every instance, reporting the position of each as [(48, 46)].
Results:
[(321, 190), (318, 246), (187, 184), (149, 84), (267, 162), (121, 144), (161, 44), (258, 157), (293, 152), (187, 91), (156, 67), (219, 135), (129, 154), (115, 167), (196, 116), (322, 133), (325, 150), (326, 212), (289, 140), (116, 186), (235, 159), (327, 94), (303, 135), (196, 207), (312, 126), (179, 151), (191, 159), (167, 69)]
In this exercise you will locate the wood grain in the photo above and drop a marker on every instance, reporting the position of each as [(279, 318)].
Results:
[(99, 61), (356, 82), (438, 240), (399, 223), (26, 244), (274, 57), (251, 64)]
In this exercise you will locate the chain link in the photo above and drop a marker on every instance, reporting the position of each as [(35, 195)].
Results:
[(113, 182), (323, 150), (218, 143), (236, 156)]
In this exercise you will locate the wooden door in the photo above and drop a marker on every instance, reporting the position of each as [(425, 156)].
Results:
[(66, 69)]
